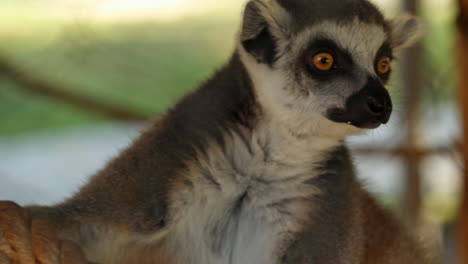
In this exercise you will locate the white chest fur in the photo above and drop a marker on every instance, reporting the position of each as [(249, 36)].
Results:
[(240, 203)]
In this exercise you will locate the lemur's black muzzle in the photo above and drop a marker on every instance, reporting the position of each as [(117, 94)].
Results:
[(368, 108)]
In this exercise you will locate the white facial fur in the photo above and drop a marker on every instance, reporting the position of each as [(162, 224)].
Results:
[(288, 92)]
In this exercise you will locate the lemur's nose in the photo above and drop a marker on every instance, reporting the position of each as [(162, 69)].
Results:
[(375, 106), (377, 102), (368, 108)]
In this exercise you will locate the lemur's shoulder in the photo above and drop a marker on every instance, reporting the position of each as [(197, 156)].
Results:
[(141, 175)]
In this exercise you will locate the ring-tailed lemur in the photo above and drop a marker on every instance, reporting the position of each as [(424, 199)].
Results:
[(252, 168)]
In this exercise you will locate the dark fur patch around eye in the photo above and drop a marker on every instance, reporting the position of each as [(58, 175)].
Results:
[(262, 47), (385, 50), (342, 58)]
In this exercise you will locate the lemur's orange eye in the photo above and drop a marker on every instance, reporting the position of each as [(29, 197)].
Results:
[(324, 61), (384, 65)]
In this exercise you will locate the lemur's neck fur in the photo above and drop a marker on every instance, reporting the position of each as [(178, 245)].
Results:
[(226, 109)]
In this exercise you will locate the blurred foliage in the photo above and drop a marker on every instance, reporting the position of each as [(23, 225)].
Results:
[(440, 53), (144, 66)]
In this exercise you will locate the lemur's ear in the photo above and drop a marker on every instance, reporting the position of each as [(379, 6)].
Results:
[(406, 30), (264, 23)]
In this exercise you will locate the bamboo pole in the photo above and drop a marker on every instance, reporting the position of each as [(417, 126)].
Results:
[(412, 87), (33, 84), (463, 92)]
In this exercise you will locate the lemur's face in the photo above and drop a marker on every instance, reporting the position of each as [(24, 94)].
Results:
[(342, 68), (322, 66)]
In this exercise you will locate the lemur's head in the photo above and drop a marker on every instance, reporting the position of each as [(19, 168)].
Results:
[(321, 65)]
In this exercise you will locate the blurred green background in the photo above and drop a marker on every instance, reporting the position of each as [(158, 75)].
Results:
[(144, 55), (140, 56)]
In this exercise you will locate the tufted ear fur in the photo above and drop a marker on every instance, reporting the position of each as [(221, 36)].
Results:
[(406, 30), (265, 23)]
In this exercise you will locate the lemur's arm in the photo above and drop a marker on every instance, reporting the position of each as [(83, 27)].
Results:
[(28, 240), (34, 235), (104, 219)]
